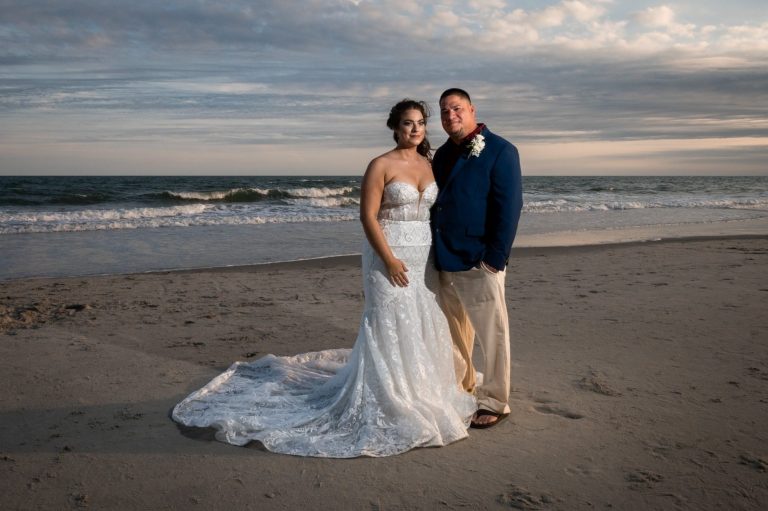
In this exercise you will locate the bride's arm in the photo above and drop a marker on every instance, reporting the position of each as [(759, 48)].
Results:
[(371, 192)]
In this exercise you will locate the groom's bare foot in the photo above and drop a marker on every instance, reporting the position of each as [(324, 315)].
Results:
[(484, 419)]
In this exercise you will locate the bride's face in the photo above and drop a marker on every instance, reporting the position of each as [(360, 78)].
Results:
[(412, 128)]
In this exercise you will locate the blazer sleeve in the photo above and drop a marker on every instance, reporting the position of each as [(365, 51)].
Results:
[(504, 206)]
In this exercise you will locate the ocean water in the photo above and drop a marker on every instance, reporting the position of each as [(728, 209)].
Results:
[(69, 204), (53, 226)]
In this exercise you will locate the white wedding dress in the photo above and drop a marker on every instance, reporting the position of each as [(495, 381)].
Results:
[(396, 389)]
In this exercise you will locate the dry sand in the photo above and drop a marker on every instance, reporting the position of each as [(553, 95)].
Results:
[(640, 381)]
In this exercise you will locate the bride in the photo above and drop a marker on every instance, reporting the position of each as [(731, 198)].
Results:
[(396, 389)]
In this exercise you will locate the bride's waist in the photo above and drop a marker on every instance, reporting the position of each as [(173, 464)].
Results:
[(406, 232)]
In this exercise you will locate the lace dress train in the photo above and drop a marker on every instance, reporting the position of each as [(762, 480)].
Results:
[(396, 389)]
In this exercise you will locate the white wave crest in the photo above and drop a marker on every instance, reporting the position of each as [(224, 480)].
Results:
[(327, 202), (317, 193), (563, 206), (101, 215), (574, 206), (216, 195), (303, 193), (148, 218)]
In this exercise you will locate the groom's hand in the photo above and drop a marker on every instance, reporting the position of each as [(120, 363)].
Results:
[(488, 268)]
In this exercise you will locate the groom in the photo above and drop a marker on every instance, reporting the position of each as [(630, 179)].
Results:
[(474, 221)]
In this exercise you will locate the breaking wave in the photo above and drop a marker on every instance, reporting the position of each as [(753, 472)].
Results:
[(137, 218)]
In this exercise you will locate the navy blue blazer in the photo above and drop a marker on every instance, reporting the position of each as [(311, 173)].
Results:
[(478, 207)]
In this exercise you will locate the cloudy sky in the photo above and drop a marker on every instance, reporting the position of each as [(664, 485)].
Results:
[(303, 87)]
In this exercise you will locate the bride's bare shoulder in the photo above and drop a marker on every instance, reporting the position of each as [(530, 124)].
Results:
[(380, 165), (383, 159)]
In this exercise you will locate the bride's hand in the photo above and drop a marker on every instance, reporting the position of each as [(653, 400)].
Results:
[(397, 273)]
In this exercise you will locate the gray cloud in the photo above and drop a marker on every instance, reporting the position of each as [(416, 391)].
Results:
[(324, 73)]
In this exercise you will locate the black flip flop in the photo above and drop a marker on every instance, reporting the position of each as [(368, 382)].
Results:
[(481, 413)]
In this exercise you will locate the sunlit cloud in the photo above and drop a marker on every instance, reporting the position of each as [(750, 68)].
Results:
[(163, 79)]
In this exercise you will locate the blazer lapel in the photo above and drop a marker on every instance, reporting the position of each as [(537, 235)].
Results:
[(455, 170), (461, 163)]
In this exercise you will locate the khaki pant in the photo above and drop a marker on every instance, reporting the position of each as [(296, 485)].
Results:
[(473, 302)]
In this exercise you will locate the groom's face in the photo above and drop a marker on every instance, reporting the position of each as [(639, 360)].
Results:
[(458, 116)]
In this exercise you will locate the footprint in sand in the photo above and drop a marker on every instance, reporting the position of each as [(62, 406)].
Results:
[(641, 479), (520, 498), (755, 462), (596, 382), (554, 409), (547, 405)]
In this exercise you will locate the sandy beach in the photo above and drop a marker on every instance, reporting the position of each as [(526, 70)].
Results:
[(640, 381)]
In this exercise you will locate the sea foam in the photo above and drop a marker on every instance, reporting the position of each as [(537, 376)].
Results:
[(260, 194), (136, 218)]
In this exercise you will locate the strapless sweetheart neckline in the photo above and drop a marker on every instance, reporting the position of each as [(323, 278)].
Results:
[(415, 187)]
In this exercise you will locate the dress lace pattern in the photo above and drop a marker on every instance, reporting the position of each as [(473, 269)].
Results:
[(396, 389)]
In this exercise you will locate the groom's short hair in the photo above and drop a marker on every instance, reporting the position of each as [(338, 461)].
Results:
[(454, 91)]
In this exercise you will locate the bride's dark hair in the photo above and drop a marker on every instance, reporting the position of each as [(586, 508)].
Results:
[(396, 114)]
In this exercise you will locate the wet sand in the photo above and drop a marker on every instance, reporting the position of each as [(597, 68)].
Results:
[(640, 381)]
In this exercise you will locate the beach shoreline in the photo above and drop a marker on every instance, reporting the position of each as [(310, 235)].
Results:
[(66, 226), (23, 257), (640, 381)]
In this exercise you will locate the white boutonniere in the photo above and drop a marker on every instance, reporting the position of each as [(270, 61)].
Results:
[(476, 145)]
